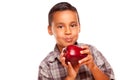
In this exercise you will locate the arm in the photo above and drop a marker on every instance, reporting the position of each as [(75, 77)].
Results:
[(99, 67), (103, 72), (88, 61), (98, 74)]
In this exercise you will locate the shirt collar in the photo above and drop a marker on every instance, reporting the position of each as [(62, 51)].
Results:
[(54, 54), (57, 52)]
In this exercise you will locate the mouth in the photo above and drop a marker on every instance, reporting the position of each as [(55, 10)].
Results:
[(68, 39)]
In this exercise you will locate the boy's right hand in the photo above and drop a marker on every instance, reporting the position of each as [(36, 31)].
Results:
[(72, 71)]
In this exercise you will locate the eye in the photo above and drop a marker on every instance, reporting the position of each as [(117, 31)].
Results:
[(60, 27), (73, 25)]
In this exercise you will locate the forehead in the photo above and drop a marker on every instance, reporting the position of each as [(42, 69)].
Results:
[(64, 12), (65, 15)]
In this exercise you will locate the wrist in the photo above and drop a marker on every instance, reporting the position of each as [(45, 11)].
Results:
[(93, 68), (69, 78), (98, 74)]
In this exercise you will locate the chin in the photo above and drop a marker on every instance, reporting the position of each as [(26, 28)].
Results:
[(65, 44), (69, 44)]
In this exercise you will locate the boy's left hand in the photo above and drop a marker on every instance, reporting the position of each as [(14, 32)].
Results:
[(88, 61)]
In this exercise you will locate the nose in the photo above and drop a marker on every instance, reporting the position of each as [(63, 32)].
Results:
[(67, 30)]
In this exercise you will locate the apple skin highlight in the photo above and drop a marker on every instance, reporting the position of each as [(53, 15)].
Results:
[(72, 54)]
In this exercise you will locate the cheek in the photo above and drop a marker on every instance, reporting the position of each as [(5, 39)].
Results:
[(58, 34), (76, 33)]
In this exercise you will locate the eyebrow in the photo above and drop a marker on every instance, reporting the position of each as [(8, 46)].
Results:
[(70, 22), (59, 23)]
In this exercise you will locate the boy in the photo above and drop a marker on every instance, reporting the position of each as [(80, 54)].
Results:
[(64, 24)]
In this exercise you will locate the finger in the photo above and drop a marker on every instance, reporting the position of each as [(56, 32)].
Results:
[(89, 61), (86, 59), (86, 63), (86, 51), (77, 67), (70, 65), (84, 46), (61, 56), (63, 62), (62, 59), (63, 50)]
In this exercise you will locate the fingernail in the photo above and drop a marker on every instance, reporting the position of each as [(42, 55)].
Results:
[(79, 62), (64, 50), (62, 53), (81, 46), (81, 52), (63, 58), (68, 62)]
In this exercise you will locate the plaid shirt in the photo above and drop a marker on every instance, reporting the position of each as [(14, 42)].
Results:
[(52, 69)]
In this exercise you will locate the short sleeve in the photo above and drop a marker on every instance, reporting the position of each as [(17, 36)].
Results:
[(44, 73), (102, 63)]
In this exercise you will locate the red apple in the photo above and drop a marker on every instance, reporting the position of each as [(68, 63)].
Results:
[(73, 55)]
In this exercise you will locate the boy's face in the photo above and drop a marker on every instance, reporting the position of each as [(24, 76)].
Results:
[(65, 28)]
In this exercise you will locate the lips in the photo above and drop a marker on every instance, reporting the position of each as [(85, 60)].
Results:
[(68, 39)]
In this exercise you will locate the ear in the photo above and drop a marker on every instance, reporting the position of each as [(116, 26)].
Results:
[(50, 30), (79, 28)]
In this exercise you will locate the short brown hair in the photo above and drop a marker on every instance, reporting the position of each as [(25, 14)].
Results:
[(60, 7)]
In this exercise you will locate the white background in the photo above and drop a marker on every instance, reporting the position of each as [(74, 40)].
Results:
[(24, 40)]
